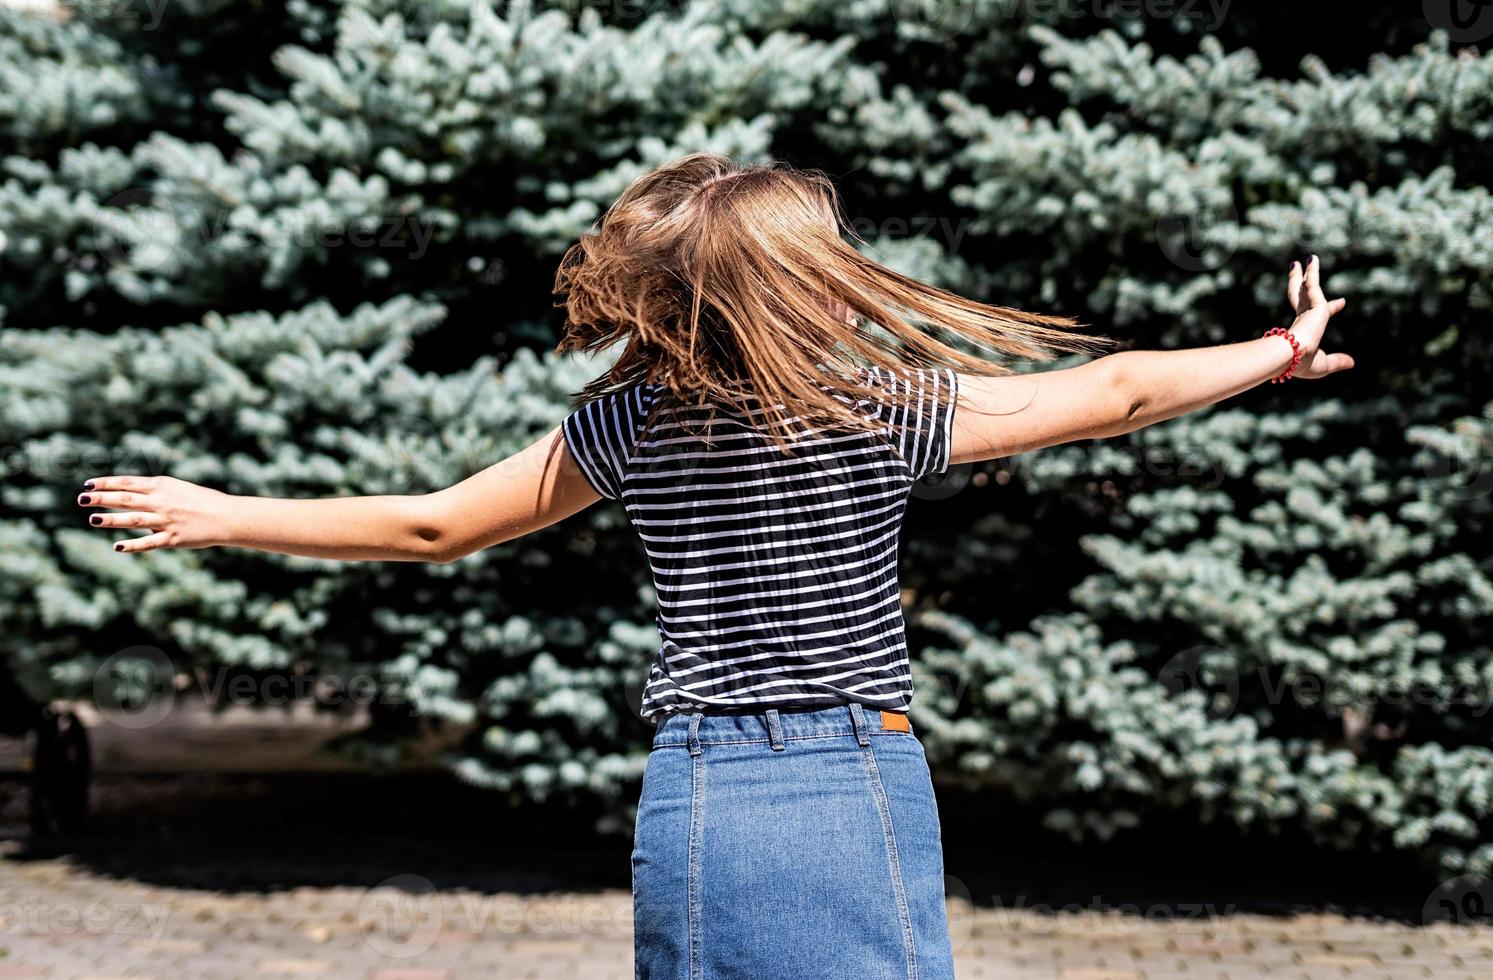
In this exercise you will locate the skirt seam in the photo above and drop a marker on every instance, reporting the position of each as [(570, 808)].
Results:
[(894, 860), (696, 835)]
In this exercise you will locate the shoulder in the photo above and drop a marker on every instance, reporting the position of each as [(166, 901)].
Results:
[(917, 404), (602, 433), (910, 386), (630, 404)]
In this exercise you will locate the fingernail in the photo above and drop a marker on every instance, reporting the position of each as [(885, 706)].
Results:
[(1314, 260), (96, 520), (88, 485), (84, 498), (119, 546)]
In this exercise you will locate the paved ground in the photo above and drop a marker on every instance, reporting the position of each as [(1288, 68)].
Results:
[(217, 853), (65, 919)]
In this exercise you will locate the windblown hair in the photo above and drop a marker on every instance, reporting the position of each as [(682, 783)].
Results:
[(733, 285)]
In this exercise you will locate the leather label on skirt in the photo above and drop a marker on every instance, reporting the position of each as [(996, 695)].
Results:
[(892, 721)]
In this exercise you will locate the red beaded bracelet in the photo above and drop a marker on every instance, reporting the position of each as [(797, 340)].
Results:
[(1295, 352)]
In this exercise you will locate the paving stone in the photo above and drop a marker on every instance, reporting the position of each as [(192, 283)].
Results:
[(337, 932)]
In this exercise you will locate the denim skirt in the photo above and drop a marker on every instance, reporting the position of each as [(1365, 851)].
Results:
[(789, 844)]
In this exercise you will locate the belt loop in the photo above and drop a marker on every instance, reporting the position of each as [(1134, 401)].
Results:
[(775, 730), (858, 722), (694, 733)]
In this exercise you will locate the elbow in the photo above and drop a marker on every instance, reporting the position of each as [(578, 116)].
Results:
[(427, 533), (435, 548), (1129, 406)]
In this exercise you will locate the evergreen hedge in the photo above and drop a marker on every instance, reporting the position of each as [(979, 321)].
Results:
[(307, 251)]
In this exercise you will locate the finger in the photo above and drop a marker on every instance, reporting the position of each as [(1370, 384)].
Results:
[(1336, 306), (1293, 286), (124, 520), (117, 499), (138, 484), (1314, 295), (1333, 363), (151, 542)]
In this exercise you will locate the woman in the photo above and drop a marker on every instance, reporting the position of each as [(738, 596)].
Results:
[(776, 397)]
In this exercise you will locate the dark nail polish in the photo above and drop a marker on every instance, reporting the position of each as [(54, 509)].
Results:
[(119, 546), (84, 498), (96, 520), (88, 485)]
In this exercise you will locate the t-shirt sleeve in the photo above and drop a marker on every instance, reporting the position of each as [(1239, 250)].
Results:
[(600, 435), (921, 416)]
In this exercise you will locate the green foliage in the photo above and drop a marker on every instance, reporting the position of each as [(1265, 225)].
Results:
[(1272, 615)]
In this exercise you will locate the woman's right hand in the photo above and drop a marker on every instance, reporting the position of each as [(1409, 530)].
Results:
[(177, 513), (1313, 310)]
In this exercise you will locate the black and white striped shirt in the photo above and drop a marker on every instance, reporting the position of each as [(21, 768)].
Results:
[(776, 573)]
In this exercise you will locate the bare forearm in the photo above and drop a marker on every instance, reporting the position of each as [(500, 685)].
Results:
[(387, 528), (523, 493), (1160, 385)]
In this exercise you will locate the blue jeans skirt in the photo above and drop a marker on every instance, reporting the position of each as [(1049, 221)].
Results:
[(789, 844)]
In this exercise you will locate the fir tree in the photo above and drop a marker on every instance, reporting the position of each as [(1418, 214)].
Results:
[(321, 267)]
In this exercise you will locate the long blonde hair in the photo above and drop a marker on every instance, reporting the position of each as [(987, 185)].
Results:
[(730, 284)]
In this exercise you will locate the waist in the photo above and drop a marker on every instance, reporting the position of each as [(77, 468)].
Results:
[(726, 725)]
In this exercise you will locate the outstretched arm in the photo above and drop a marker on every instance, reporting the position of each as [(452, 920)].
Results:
[(1123, 392), (534, 488)]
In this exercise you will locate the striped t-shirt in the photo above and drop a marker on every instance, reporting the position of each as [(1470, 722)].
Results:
[(776, 573)]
